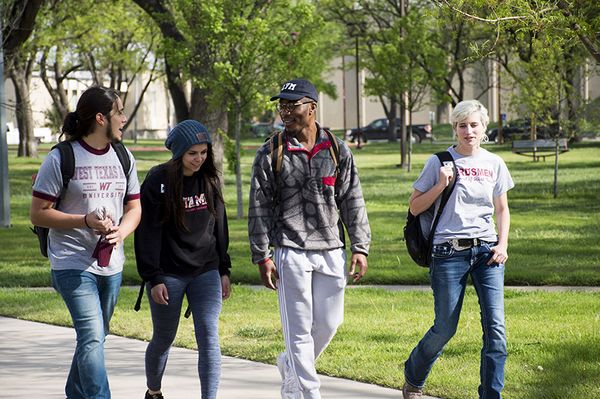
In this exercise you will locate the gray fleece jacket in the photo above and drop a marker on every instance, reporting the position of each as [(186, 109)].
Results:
[(306, 215)]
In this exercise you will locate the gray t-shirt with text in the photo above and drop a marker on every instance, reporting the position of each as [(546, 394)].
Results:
[(98, 181), (470, 208)]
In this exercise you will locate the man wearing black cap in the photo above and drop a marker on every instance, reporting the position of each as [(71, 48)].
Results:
[(298, 210)]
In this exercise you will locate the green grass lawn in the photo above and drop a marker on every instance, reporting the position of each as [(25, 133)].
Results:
[(552, 241), (552, 337)]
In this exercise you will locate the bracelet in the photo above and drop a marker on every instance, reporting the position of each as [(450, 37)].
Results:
[(85, 221)]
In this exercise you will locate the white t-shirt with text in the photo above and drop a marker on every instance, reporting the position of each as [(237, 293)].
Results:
[(470, 208)]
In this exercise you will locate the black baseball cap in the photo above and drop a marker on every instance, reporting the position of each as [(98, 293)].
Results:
[(296, 89)]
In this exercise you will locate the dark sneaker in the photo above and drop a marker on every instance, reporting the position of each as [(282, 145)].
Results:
[(153, 396), (410, 392)]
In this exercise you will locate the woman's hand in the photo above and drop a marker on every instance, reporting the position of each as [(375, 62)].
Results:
[(159, 294), (499, 254), (225, 286), (446, 175)]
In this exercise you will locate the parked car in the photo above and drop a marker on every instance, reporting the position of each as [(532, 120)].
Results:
[(261, 129), (378, 130), (520, 129), (264, 129), (516, 130)]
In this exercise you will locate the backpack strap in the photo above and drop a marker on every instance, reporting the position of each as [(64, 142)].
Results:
[(276, 150), (67, 165), (67, 170), (138, 302), (334, 150), (443, 156), (125, 162)]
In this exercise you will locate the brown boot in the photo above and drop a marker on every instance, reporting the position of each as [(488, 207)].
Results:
[(410, 392)]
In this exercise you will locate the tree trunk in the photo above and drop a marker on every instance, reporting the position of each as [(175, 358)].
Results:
[(572, 90), (182, 111), (27, 141), (409, 137), (238, 161), (403, 134), (58, 93), (392, 115), (214, 118)]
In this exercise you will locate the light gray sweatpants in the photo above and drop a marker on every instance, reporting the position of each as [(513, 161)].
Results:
[(311, 305)]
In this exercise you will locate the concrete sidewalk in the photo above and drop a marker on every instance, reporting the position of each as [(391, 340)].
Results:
[(35, 359)]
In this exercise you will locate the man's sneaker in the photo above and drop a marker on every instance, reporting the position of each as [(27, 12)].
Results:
[(153, 395), (289, 386), (410, 392)]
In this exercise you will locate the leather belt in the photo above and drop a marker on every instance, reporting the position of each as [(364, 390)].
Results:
[(460, 244)]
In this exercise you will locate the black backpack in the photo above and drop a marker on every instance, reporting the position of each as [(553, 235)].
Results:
[(67, 170), (418, 245)]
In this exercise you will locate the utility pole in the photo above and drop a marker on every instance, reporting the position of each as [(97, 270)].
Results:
[(404, 135), (500, 121), (4, 186), (344, 89), (358, 130)]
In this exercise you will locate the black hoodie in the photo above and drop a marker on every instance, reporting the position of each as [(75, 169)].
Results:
[(164, 249)]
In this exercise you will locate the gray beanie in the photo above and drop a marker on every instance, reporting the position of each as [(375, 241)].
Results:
[(186, 134)]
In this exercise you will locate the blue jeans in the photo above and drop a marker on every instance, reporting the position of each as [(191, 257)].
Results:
[(91, 300), (204, 297), (449, 271)]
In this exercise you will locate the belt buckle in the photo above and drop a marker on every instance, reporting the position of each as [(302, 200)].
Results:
[(457, 247)]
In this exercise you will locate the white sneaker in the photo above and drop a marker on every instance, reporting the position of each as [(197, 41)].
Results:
[(289, 386)]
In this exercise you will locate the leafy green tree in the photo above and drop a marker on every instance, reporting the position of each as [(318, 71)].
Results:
[(262, 45), (575, 20), (454, 36), (395, 44), (18, 21), (97, 37), (189, 51), (394, 66), (550, 38), (541, 46), (233, 54)]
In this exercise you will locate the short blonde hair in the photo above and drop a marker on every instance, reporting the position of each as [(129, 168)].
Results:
[(465, 108)]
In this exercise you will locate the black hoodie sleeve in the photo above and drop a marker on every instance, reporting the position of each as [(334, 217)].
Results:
[(222, 235), (148, 235)]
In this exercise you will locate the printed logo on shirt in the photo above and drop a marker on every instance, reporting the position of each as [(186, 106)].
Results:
[(195, 203), (103, 181), (102, 172), (477, 174)]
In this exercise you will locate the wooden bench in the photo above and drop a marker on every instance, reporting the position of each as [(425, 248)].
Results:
[(539, 148)]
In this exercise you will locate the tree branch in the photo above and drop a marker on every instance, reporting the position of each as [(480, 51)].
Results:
[(488, 20)]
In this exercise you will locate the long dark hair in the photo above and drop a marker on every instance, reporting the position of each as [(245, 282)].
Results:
[(96, 99), (174, 211)]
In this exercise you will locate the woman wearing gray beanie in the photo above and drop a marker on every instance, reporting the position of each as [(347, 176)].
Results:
[(181, 250)]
